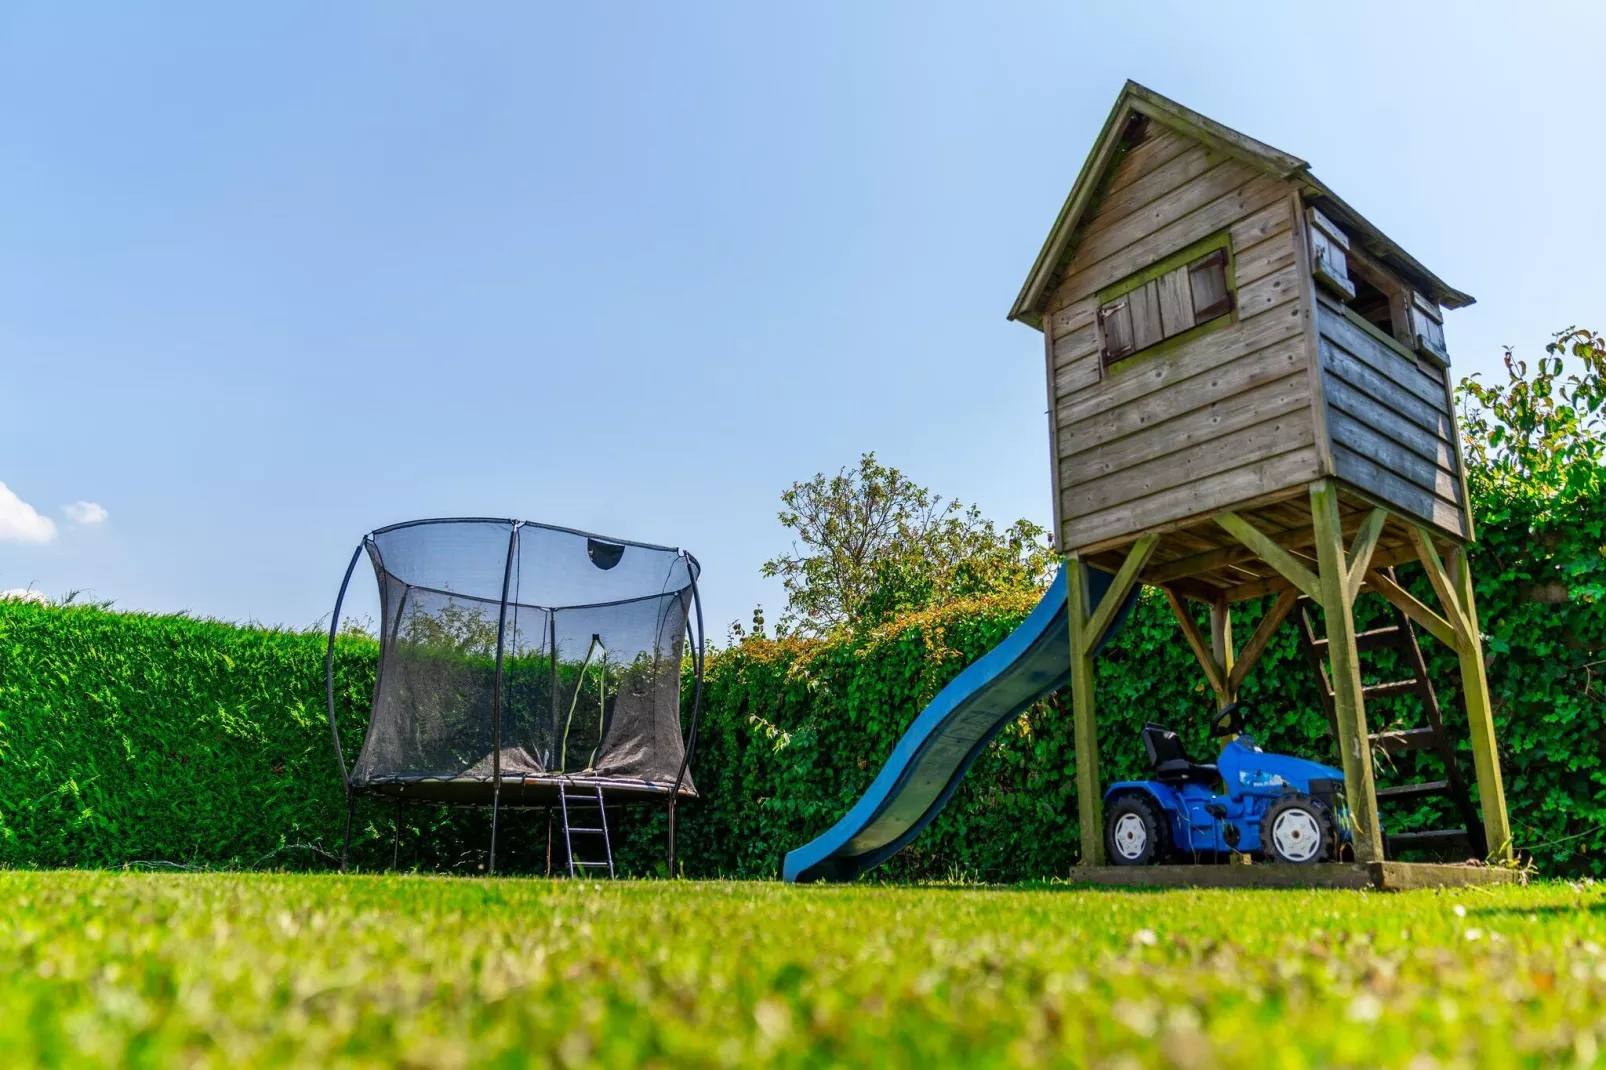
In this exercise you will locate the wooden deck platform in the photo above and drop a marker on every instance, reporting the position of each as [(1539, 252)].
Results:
[(1377, 876)]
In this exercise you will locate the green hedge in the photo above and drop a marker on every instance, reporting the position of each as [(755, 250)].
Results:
[(134, 738)]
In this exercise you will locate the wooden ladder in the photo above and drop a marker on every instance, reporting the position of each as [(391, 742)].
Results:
[(579, 800), (1401, 636)]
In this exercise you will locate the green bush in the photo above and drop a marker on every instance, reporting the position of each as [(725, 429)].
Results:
[(126, 737), (796, 730)]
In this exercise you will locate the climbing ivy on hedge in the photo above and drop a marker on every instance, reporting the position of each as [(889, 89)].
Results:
[(134, 738)]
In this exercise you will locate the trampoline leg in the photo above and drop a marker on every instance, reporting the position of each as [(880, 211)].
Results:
[(496, 805), (671, 838), (549, 841), (395, 847), (351, 806)]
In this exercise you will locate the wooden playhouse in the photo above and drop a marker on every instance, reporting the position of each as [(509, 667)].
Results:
[(1250, 396)]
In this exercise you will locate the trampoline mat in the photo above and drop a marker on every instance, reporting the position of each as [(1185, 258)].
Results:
[(517, 790)]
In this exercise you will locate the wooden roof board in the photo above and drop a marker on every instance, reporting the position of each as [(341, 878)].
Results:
[(1138, 102)]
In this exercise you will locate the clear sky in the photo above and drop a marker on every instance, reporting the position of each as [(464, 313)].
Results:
[(273, 275)]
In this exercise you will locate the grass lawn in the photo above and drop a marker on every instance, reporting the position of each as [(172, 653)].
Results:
[(242, 970)]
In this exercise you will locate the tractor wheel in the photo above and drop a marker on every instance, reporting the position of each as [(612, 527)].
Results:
[(1135, 832), (1298, 830)]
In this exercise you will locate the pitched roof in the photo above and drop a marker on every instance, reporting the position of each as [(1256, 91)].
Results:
[(1138, 101)]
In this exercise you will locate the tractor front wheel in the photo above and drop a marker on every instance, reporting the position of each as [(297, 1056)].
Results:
[(1298, 830), (1135, 832)]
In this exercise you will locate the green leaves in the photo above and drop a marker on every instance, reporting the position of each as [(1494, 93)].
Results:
[(874, 544)]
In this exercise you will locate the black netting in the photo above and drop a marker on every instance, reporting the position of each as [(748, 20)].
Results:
[(576, 641)]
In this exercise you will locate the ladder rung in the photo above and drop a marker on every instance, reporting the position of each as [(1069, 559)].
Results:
[(1393, 687), (1373, 639), (1430, 838), (593, 865), (1408, 739), (1414, 791), (577, 828)]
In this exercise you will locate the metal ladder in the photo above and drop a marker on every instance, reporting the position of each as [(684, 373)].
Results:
[(1401, 636), (565, 800)]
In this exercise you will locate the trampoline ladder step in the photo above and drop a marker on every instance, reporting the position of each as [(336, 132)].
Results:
[(584, 802)]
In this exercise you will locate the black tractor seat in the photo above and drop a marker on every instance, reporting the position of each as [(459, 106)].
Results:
[(1169, 763)]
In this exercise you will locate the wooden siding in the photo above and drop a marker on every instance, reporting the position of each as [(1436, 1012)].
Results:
[(1390, 419), (1196, 427)]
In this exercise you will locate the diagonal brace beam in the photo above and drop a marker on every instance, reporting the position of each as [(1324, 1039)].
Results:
[(1291, 567), (1360, 551), (1440, 579), (1099, 622), (1201, 645), (1406, 603), (1261, 637)]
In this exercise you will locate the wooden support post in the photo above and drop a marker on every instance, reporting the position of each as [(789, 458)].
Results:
[(1088, 625), (1480, 715), (1221, 647), (1349, 707), (1089, 798)]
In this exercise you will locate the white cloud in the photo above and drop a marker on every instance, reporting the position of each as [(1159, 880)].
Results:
[(86, 512), (24, 594), (20, 521)]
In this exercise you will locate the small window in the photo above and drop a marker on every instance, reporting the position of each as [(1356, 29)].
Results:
[(1172, 297)]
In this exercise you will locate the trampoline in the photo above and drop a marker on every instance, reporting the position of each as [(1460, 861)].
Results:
[(519, 660)]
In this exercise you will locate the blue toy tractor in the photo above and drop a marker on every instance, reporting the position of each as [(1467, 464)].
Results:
[(1275, 807)]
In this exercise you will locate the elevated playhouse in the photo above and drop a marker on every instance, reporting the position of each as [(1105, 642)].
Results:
[(1249, 397)]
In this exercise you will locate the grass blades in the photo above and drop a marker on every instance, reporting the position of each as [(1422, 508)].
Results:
[(301, 970)]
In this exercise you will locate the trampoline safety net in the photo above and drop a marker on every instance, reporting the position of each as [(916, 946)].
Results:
[(525, 652)]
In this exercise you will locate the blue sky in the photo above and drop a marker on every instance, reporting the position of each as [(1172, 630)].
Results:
[(274, 275)]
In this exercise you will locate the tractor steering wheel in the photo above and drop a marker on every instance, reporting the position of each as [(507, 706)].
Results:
[(1232, 718)]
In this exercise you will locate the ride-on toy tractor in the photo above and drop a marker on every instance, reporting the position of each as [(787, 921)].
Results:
[(1273, 806)]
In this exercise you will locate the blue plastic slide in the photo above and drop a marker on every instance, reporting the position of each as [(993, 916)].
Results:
[(933, 755)]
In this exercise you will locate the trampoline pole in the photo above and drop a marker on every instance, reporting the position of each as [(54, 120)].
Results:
[(395, 847), (496, 695), (351, 806)]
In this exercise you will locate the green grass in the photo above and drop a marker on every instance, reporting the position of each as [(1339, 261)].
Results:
[(244, 970)]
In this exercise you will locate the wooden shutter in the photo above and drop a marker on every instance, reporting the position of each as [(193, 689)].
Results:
[(1427, 322), (1115, 325), (1146, 326), (1207, 282), (1176, 302), (1328, 259)]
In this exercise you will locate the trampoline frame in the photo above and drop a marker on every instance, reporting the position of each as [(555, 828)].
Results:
[(634, 791)]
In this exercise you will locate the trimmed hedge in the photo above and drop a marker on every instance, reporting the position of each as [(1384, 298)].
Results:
[(127, 737)]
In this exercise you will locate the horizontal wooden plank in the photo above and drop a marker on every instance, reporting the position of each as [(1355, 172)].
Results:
[(1256, 370), (1083, 373), (1363, 377), (1064, 320), (1400, 370), (1073, 344), (1218, 182), (1266, 257), (1246, 445), (1389, 454), (1087, 276), (1268, 293), (1223, 416), (1137, 376), (1154, 149), (1397, 492), (1276, 217), (1144, 189), (1202, 497), (1430, 446)]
